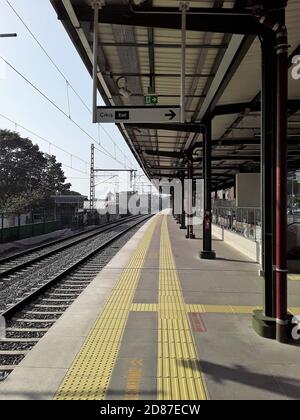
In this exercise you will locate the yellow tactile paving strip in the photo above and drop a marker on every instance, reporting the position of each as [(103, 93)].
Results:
[(144, 307), (178, 375), (89, 376)]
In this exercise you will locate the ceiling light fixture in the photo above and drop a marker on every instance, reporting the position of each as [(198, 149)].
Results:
[(123, 90)]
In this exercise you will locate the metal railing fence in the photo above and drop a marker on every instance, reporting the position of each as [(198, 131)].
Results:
[(245, 221)]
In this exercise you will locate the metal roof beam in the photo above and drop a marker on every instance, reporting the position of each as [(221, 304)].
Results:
[(215, 166), (161, 75), (163, 46), (248, 141), (168, 96), (199, 170), (255, 103), (255, 158), (163, 154), (216, 143), (253, 106), (185, 128), (237, 142), (235, 108), (235, 157), (198, 19), (169, 168), (235, 53)]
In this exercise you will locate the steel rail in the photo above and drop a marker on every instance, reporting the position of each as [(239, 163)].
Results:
[(11, 311), (80, 237)]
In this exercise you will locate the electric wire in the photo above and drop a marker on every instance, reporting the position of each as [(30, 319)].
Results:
[(68, 84), (49, 143)]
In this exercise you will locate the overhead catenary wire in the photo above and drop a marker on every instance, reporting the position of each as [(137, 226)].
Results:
[(44, 96), (69, 85), (106, 180), (47, 54), (103, 149), (68, 99), (16, 124)]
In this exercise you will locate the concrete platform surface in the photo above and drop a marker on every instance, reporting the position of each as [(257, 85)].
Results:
[(158, 323)]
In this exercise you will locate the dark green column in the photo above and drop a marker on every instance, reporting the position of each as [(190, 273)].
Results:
[(207, 252)]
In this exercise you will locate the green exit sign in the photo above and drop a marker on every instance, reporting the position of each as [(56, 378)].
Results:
[(151, 99)]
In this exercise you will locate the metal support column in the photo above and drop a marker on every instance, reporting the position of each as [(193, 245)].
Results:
[(160, 198), (182, 221), (207, 252), (268, 140), (176, 202), (273, 321), (172, 201), (281, 184), (92, 178), (190, 226), (118, 204), (149, 201), (172, 190)]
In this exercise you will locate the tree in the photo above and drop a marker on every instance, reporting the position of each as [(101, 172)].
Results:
[(53, 176), (28, 177)]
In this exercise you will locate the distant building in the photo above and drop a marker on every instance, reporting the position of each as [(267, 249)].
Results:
[(70, 199)]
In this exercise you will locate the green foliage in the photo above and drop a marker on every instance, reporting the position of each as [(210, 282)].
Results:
[(23, 201), (28, 177)]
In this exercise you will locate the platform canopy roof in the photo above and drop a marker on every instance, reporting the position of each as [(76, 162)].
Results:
[(140, 48)]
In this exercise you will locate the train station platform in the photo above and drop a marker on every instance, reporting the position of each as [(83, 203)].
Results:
[(159, 323)]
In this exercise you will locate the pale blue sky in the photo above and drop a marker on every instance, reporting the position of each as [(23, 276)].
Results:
[(19, 102)]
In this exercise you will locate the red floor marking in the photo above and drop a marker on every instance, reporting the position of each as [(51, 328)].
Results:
[(197, 322)]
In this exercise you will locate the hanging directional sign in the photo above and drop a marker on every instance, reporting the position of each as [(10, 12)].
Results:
[(138, 114)]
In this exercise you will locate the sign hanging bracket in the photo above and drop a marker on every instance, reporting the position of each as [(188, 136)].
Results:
[(184, 7), (97, 6)]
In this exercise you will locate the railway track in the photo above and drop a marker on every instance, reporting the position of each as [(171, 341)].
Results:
[(23, 259), (32, 315)]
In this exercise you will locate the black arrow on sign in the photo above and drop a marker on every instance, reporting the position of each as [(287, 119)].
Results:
[(172, 115)]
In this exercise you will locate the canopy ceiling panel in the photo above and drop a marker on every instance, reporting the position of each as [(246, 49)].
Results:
[(138, 58), (246, 81)]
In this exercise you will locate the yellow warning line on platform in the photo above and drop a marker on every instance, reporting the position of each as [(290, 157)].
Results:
[(229, 309), (222, 309), (89, 376), (178, 376), (294, 277)]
